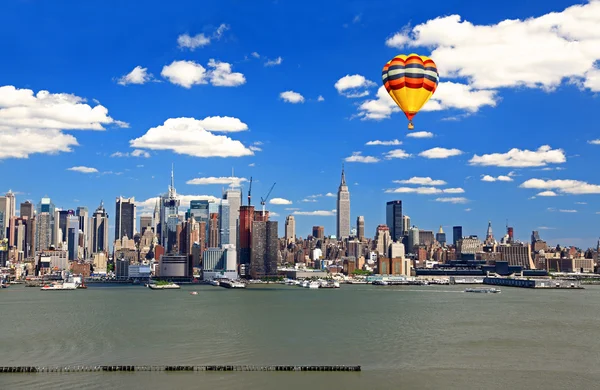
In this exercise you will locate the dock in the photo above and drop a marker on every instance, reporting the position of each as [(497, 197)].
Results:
[(566, 284), (220, 368)]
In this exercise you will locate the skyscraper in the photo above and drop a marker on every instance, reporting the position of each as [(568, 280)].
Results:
[(213, 231), (27, 210), (405, 225), (124, 218), (384, 240), (265, 247), (457, 234), (84, 230), (224, 221), (73, 236), (45, 224), (8, 210), (489, 236), (360, 228), (100, 230), (23, 235), (394, 220), (343, 209), (441, 237), (234, 199), (169, 218), (245, 239), (145, 223), (60, 226), (413, 239), (318, 232), (290, 229)]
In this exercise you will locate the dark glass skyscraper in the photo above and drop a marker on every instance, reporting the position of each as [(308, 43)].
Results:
[(124, 218), (393, 217), (457, 234), (265, 246)]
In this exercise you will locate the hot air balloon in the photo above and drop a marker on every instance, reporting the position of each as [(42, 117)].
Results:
[(410, 80)]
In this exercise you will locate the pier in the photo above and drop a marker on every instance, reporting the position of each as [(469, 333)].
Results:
[(566, 284), (220, 368)]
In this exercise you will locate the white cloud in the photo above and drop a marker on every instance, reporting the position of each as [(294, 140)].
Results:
[(425, 190), (187, 136), (384, 143), (353, 86), (499, 178), (190, 73), (358, 157), (452, 200), (252, 165), (397, 153), (291, 208), (480, 52), (320, 99), (521, 158), (280, 201), (547, 193), (567, 211), (83, 169), (545, 228), (309, 200), (275, 62), (135, 153), (254, 148), (594, 142), (315, 196), (273, 214), (580, 202), (255, 54), (34, 122), (331, 195), (223, 124), (467, 210), (319, 213), (291, 97), (421, 181), (138, 75), (440, 153), (572, 187), (217, 180), (147, 206), (189, 42), (420, 134), (222, 76), (185, 73)]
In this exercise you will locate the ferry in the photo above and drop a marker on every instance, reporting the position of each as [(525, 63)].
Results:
[(231, 284), (163, 286), (60, 286), (328, 284), (483, 290)]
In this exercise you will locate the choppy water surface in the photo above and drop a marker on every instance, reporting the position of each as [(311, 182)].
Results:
[(411, 337)]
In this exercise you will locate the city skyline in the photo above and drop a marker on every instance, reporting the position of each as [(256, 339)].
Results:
[(484, 148)]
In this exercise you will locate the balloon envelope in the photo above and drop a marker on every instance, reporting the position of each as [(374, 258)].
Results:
[(410, 80)]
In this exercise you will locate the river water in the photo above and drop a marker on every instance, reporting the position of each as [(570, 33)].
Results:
[(430, 337)]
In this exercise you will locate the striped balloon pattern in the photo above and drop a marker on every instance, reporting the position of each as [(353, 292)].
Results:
[(410, 80)]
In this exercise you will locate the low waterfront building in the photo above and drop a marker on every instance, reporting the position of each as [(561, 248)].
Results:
[(174, 266), (139, 271)]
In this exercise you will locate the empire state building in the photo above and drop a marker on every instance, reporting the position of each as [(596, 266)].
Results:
[(343, 210)]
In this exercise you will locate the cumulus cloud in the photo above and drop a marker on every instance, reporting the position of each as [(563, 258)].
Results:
[(358, 157), (317, 213), (83, 169), (217, 180), (223, 124), (397, 153), (440, 153), (421, 181), (567, 211), (420, 134), (384, 143), (275, 62), (185, 41), (138, 75), (499, 178), (479, 52), (135, 153), (571, 187), (547, 193), (330, 195), (189, 73), (517, 158), (188, 136), (594, 142), (320, 99), (353, 86), (147, 206), (291, 97), (34, 122), (424, 190), (455, 200), (280, 201)]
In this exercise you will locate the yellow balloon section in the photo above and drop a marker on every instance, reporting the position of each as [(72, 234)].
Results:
[(410, 80)]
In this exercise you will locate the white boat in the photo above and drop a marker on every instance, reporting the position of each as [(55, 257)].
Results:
[(356, 281), (314, 285), (304, 284), (232, 284), (194, 293), (214, 282), (483, 290), (60, 286), (168, 286)]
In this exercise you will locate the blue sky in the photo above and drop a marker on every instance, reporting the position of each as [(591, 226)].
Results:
[(522, 85)]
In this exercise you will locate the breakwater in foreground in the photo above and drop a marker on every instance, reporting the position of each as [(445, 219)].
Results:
[(33, 370)]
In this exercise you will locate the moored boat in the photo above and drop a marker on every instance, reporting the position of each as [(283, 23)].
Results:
[(483, 290), (231, 284), (60, 286), (163, 286)]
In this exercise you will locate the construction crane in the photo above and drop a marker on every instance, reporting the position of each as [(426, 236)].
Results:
[(250, 191), (263, 202)]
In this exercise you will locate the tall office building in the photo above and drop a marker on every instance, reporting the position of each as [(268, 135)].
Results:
[(245, 238), (413, 239), (441, 237), (213, 231), (290, 229), (27, 210), (45, 224), (23, 235), (457, 234), (405, 225), (85, 225), (224, 223), (156, 218), (394, 220), (384, 240), (8, 210), (60, 227), (489, 236), (318, 232), (343, 209), (234, 199), (265, 248), (100, 230), (169, 218), (360, 228), (146, 223), (73, 236), (124, 218)]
